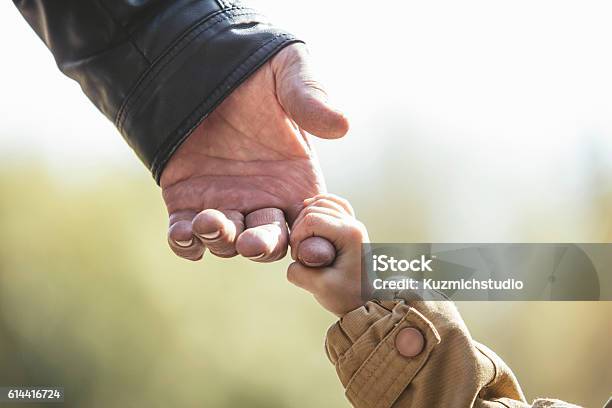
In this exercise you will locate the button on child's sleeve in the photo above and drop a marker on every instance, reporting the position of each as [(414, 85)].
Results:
[(377, 352)]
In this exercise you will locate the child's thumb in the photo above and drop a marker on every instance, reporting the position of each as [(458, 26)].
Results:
[(304, 277)]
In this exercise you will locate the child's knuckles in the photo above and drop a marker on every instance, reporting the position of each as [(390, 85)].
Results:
[(338, 201), (344, 203), (312, 220), (329, 204), (308, 210), (297, 233), (354, 231)]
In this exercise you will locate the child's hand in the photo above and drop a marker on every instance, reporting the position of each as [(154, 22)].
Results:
[(337, 287)]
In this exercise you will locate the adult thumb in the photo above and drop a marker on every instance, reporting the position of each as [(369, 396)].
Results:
[(303, 97)]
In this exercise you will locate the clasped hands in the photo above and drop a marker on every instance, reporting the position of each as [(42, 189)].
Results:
[(248, 173), (239, 180)]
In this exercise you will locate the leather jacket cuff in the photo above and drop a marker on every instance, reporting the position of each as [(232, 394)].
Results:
[(156, 69), (194, 74)]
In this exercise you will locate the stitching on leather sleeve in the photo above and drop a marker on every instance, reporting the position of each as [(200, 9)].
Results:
[(148, 77)]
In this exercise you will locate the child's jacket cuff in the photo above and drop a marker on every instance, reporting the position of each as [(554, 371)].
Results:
[(451, 369)]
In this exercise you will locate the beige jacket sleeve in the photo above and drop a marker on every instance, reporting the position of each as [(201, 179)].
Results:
[(452, 370)]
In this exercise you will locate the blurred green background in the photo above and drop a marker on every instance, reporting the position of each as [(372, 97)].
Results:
[(92, 299), (474, 121)]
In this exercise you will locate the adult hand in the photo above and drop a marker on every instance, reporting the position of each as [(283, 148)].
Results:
[(245, 171)]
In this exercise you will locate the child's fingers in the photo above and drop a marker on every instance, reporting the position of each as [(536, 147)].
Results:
[(328, 197), (305, 212), (316, 224), (327, 203), (316, 251), (341, 232), (303, 277), (316, 209)]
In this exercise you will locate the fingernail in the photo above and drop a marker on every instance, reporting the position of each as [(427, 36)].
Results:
[(310, 264), (184, 244), (254, 258), (211, 235)]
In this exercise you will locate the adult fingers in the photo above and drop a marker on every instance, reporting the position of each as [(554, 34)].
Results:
[(181, 239), (316, 252), (266, 236), (218, 230)]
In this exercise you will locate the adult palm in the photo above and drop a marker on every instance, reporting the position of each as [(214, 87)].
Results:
[(246, 170)]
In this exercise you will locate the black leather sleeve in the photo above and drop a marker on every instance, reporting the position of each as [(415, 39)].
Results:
[(156, 68)]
